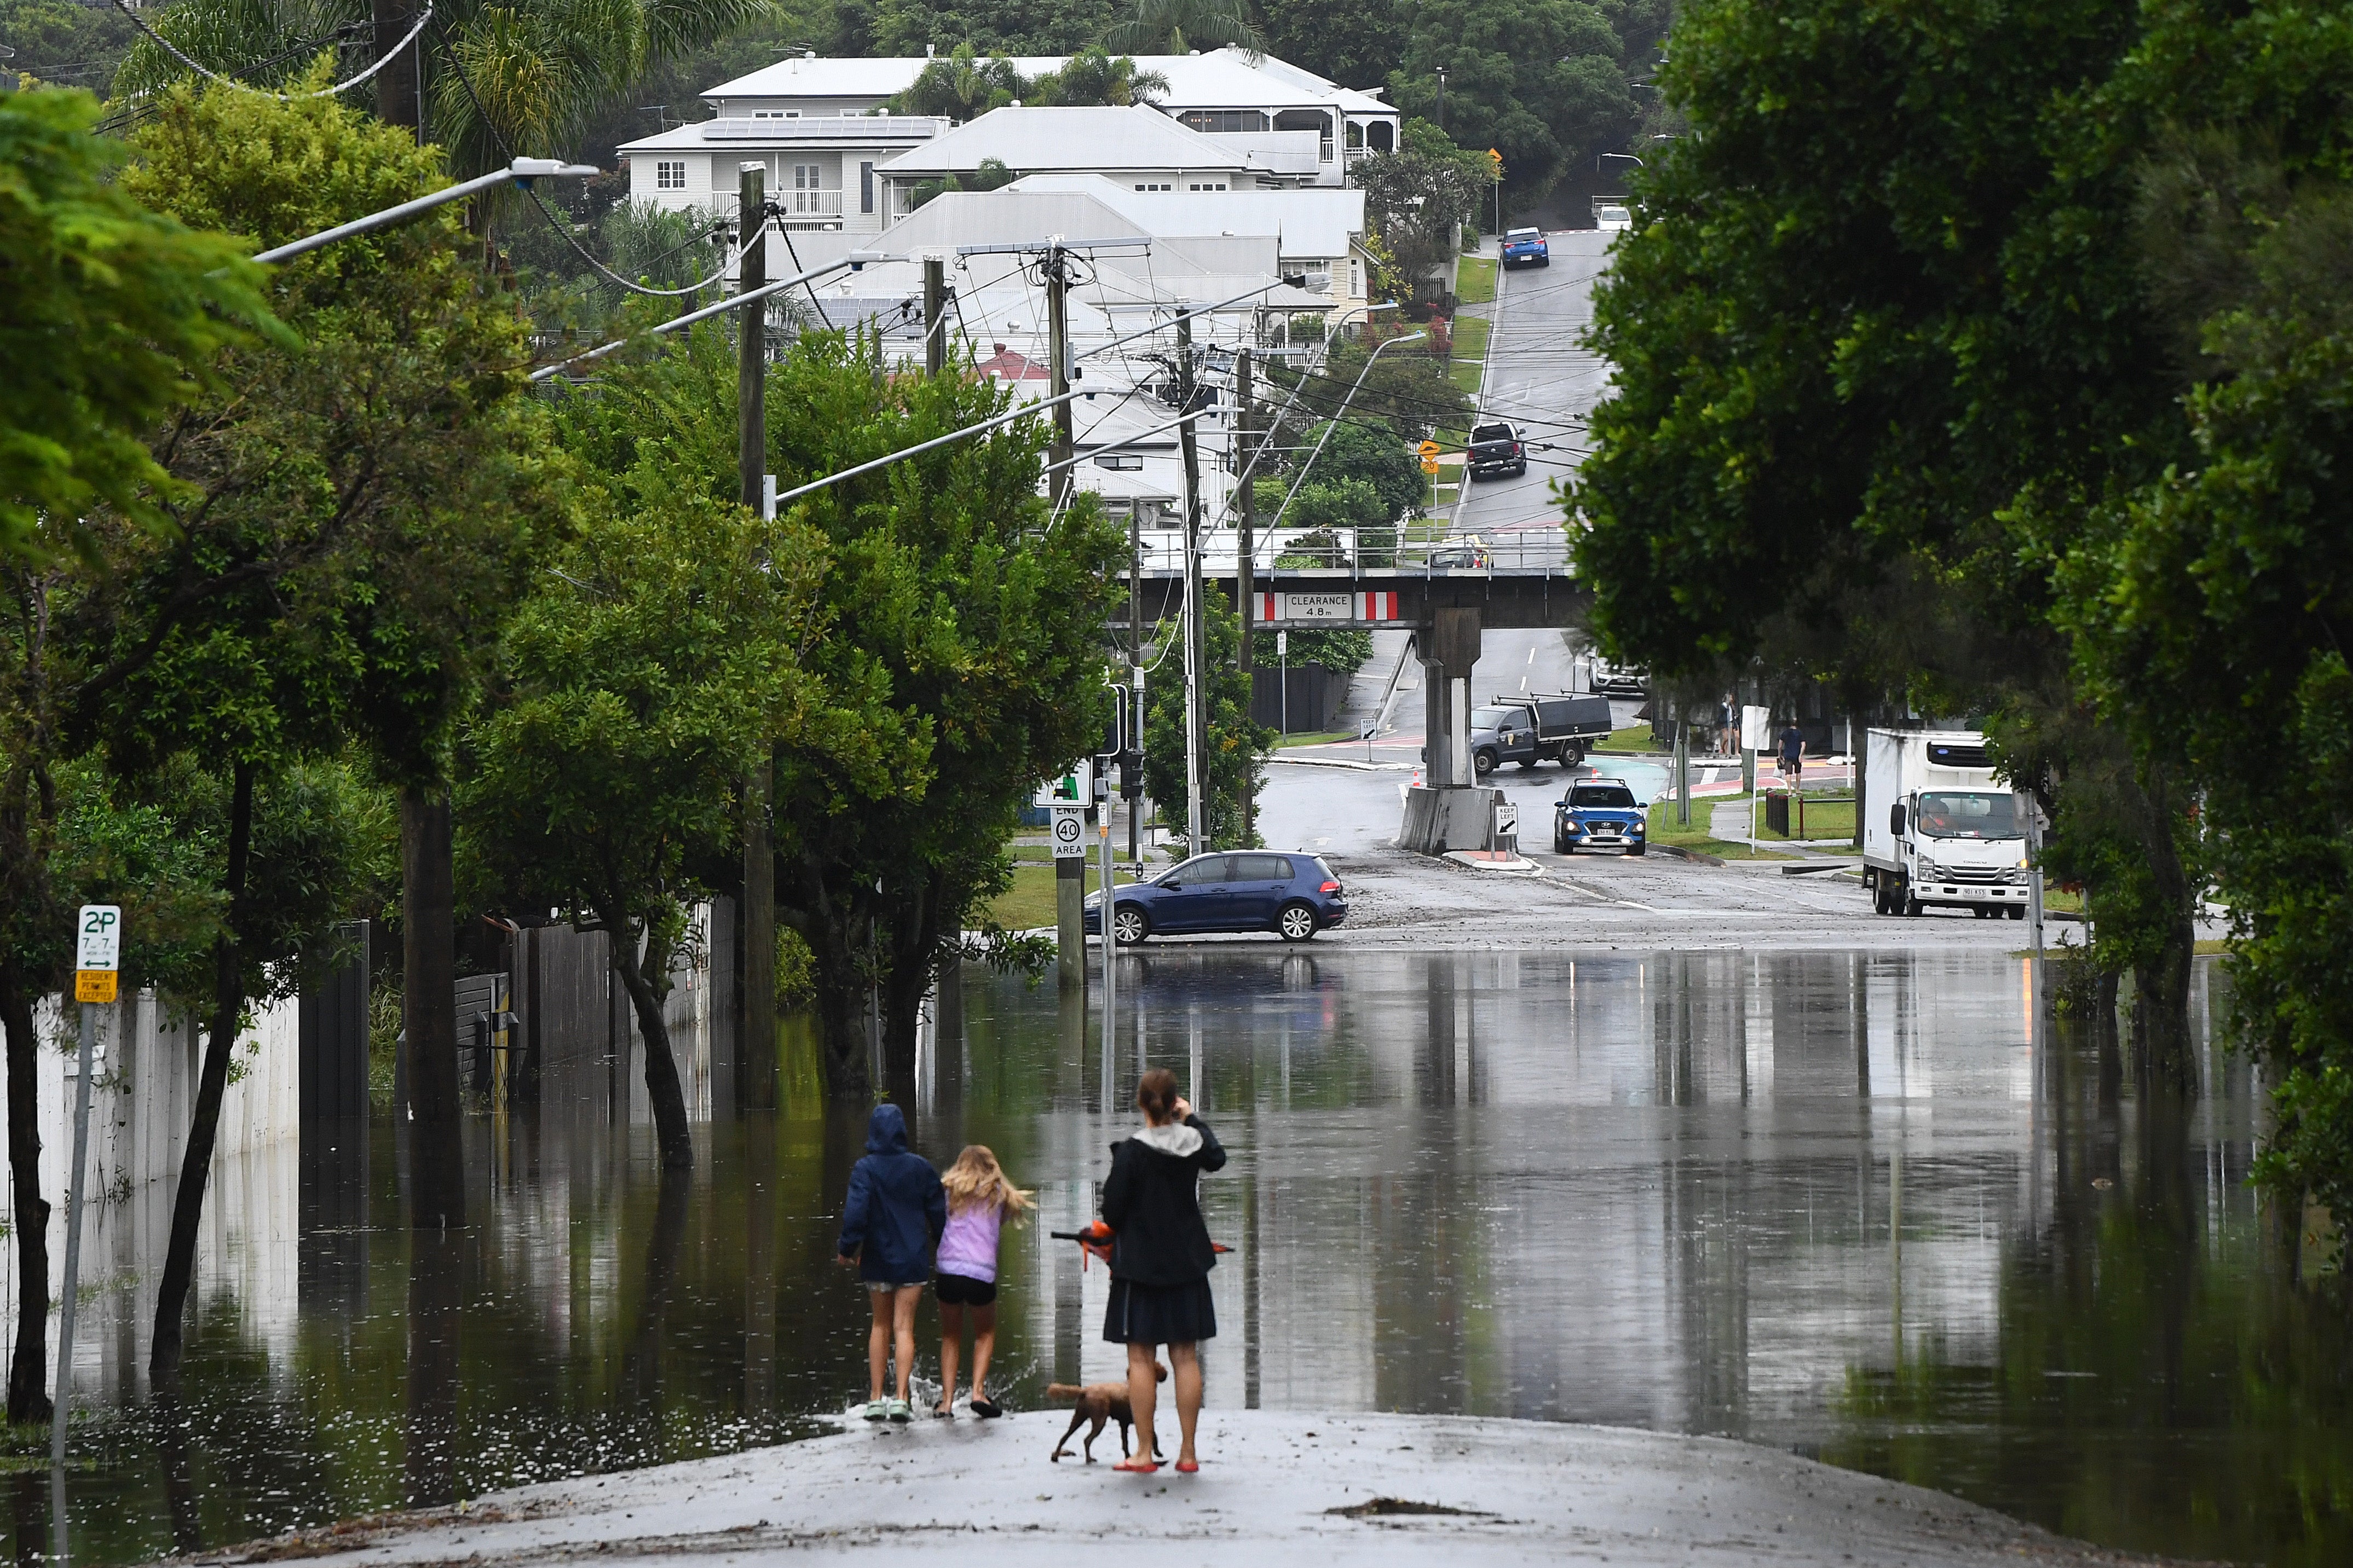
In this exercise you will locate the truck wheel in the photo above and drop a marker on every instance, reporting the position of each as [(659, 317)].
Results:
[(1483, 762), (1912, 905), (1296, 922), (2018, 912), (1572, 756)]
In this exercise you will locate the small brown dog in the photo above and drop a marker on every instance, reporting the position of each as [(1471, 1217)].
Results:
[(1099, 1403)]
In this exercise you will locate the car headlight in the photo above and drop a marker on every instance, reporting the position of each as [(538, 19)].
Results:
[(1634, 827), (1572, 826)]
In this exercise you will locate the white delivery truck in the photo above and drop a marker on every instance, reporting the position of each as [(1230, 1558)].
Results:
[(1937, 829)]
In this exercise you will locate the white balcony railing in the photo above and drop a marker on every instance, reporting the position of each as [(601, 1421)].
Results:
[(809, 204)]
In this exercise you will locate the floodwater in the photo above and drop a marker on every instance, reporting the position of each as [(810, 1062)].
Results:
[(1838, 1204)]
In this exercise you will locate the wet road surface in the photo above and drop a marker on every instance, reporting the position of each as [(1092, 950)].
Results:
[(1836, 1203)]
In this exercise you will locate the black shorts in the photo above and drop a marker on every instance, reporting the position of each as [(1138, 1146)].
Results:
[(957, 1290)]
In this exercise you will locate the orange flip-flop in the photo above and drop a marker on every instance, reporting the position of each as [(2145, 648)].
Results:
[(1189, 1467), (1136, 1467)]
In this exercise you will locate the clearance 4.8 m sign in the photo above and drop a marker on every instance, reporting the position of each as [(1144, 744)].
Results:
[(1326, 609)]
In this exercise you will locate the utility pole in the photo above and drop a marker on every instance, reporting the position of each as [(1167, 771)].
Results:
[(1246, 544), (1135, 667), (1196, 673), (1055, 265), (756, 925), (398, 99), (936, 295)]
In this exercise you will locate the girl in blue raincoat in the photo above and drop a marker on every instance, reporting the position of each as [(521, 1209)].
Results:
[(890, 1225)]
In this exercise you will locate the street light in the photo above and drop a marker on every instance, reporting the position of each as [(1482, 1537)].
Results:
[(1441, 98), (1301, 479), (1628, 156), (523, 171)]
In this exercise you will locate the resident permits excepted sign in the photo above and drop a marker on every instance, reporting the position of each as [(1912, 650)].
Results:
[(97, 951)]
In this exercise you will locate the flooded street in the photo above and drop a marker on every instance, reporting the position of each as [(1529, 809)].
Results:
[(1840, 1203)]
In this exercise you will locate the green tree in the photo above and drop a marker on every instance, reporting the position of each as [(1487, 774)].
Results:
[(353, 521), (517, 76), (2206, 604), (1539, 80), (114, 312), (1180, 27), (1356, 45), (1010, 26), (652, 672), (963, 84), (1878, 342), (1234, 746), (1418, 199), (1407, 389), (1092, 78)]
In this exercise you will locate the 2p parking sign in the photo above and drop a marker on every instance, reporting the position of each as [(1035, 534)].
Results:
[(97, 951)]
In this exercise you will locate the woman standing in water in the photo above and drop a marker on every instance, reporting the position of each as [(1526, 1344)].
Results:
[(1161, 1259)]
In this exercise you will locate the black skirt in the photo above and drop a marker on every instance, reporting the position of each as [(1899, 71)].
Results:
[(1160, 1314)]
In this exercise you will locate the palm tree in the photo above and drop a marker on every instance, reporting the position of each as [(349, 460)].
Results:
[(502, 78), (1092, 77), (1176, 27)]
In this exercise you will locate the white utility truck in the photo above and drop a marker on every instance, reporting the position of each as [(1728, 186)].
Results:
[(1937, 829)]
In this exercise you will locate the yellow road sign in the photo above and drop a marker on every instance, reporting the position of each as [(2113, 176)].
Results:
[(1428, 449), (1429, 465), (93, 985)]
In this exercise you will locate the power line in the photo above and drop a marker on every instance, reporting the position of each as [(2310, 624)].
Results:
[(209, 74)]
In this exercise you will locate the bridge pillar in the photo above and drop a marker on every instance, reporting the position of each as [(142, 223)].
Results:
[(1448, 651), (1447, 812)]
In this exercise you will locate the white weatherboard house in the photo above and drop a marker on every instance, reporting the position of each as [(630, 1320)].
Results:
[(812, 124)]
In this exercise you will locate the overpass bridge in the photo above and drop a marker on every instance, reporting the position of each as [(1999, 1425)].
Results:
[(1447, 608)]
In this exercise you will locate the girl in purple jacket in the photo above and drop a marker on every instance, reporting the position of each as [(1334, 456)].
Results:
[(980, 1200)]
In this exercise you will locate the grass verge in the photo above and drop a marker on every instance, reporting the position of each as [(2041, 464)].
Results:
[(1467, 375), (1471, 335), (1474, 280), (1029, 902), (1315, 738), (1666, 830)]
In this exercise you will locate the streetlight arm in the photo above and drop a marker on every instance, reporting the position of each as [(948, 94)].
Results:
[(522, 169), (854, 261), (1302, 477)]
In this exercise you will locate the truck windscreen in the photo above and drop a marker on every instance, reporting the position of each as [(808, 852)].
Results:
[(1947, 813), (1494, 718)]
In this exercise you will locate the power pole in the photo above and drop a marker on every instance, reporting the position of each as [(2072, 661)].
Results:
[(1136, 668), (935, 294), (757, 927), (1196, 673), (1055, 265), (1245, 586), (398, 98)]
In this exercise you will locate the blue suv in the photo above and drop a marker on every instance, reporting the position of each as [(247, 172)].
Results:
[(1599, 814), (1293, 896)]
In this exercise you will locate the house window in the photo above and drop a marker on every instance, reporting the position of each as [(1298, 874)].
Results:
[(1121, 462), (1223, 118), (776, 114), (1208, 185), (866, 187), (670, 176), (1162, 185)]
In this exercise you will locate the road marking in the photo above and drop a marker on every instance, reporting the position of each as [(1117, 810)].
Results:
[(1532, 656)]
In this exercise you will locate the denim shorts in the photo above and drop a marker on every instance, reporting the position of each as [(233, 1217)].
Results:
[(884, 1287)]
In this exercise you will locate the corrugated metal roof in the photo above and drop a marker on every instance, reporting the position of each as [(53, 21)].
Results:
[(1222, 78), (1314, 222), (1034, 140)]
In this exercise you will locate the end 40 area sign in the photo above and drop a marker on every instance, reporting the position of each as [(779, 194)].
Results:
[(1333, 609), (97, 951)]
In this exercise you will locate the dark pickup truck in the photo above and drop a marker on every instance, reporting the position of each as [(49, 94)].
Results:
[(1532, 729), (1495, 449)]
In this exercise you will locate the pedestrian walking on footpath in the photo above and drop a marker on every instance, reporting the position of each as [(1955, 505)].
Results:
[(980, 1201), (891, 1220), (1727, 728), (1793, 753), (1160, 1260)]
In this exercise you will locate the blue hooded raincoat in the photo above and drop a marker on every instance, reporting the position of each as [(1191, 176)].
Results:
[(896, 1208)]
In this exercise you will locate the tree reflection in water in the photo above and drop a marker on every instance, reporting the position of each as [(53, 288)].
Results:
[(1836, 1202)]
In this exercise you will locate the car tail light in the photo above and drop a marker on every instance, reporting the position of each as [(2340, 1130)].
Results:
[(1329, 888), (1515, 448)]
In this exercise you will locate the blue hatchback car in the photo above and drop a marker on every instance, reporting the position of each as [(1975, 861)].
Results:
[(1599, 814), (1293, 896)]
